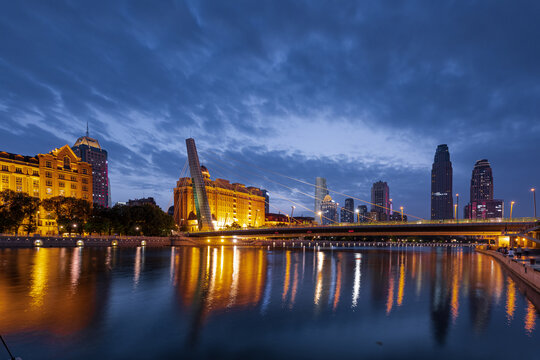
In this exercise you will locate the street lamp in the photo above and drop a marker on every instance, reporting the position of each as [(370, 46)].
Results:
[(320, 215), (533, 190), (401, 208), (457, 207), (357, 214), (511, 208)]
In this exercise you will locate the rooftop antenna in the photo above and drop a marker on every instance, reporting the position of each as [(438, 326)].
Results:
[(87, 134)]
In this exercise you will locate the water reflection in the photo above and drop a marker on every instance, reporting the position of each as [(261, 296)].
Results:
[(447, 295)]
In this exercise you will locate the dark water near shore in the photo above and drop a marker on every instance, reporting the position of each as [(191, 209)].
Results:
[(258, 303)]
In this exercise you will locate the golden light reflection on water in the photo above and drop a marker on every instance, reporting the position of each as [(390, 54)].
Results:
[(401, 283), (530, 318), (40, 277), (510, 299)]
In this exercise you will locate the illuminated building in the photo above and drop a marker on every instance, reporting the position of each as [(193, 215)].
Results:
[(89, 150), (329, 211), (229, 203), (441, 185), (272, 219), (141, 202), (363, 215), (58, 173), (267, 201), (347, 212), (320, 192), (482, 205), (380, 199)]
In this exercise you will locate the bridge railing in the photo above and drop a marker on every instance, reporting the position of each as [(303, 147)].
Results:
[(381, 223)]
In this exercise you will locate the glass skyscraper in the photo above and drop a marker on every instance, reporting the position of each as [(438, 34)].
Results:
[(89, 150), (482, 204), (320, 192), (380, 200), (441, 185)]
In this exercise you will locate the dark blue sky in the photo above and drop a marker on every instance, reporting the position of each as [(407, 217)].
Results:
[(352, 91)]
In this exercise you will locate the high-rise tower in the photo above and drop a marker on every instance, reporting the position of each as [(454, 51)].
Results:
[(320, 192), (89, 150), (347, 211), (441, 185), (380, 199), (482, 204)]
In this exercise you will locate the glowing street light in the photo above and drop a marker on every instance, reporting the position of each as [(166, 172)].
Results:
[(511, 208), (320, 215), (401, 208), (533, 190), (457, 208), (357, 211)]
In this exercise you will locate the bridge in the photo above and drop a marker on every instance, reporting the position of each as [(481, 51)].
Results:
[(513, 231)]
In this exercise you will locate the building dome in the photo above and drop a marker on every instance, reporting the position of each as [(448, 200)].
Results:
[(205, 172), (327, 198), (86, 140)]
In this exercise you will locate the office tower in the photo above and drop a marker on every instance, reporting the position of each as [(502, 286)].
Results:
[(347, 211), (482, 205), (441, 185), (362, 213), (320, 192), (329, 211), (266, 201), (89, 150), (380, 199)]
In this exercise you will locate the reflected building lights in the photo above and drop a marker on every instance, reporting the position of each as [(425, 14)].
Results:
[(75, 268), (39, 277), (401, 283), (510, 300), (287, 275), (337, 291), (530, 318), (357, 280), (318, 287)]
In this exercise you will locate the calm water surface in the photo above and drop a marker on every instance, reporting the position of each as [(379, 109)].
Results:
[(260, 303)]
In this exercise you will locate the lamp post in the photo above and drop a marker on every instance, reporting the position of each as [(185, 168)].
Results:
[(511, 208), (320, 216), (401, 208), (533, 190), (457, 207), (357, 214)]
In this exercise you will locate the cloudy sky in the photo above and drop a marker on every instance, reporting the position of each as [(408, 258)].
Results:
[(352, 91)]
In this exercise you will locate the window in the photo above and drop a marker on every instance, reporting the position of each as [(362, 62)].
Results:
[(48, 182), (35, 173), (36, 183), (48, 164), (61, 176), (73, 178), (62, 192), (48, 174), (67, 162), (61, 184), (5, 168), (5, 182), (18, 181), (85, 188), (18, 170), (84, 171), (74, 186), (85, 181), (85, 197)]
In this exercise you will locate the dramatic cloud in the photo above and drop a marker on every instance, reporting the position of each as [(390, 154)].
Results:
[(354, 92)]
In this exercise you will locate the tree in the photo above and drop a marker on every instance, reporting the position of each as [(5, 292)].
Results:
[(15, 209), (71, 213)]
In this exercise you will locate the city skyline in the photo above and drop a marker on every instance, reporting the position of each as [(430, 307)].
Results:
[(295, 105)]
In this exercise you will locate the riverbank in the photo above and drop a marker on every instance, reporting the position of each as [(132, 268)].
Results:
[(530, 274)]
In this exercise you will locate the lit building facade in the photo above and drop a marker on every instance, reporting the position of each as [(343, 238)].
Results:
[(329, 212), (380, 199), (363, 215), (441, 185), (482, 205), (58, 173), (320, 192), (229, 203), (347, 211), (89, 150)]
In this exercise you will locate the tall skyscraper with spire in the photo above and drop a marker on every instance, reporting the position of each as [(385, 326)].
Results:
[(89, 150), (441, 185)]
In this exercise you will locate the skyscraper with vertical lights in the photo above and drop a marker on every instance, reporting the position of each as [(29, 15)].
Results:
[(482, 205), (441, 185), (89, 150)]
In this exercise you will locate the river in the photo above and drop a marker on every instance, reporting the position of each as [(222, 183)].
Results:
[(263, 303)]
